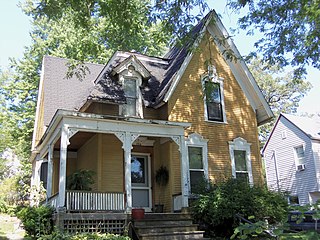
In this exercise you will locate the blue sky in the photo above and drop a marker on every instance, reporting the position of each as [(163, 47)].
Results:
[(15, 28)]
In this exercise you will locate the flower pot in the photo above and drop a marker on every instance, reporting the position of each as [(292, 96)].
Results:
[(137, 213), (158, 208)]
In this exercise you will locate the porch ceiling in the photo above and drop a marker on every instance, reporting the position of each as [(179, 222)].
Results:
[(76, 141)]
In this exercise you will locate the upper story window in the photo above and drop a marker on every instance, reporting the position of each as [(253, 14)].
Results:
[(198, 161), (240, 155), (300, 158), (213, 96), (130, 91)]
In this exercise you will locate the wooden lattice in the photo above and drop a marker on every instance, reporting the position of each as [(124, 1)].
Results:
[(87, 225)]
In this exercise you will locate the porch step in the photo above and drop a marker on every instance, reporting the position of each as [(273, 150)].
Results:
[(167, 226)]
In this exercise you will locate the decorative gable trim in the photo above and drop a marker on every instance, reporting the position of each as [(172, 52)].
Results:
[(186, 62), (132, 62)]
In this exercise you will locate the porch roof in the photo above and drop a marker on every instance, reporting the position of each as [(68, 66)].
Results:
[(96, 123)]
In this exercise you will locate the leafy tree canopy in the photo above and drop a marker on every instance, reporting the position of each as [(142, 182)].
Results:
[(291, 32), (282, 93)]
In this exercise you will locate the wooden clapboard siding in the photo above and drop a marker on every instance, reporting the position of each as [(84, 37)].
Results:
[(291, 181), (186, 105), (112, 178)]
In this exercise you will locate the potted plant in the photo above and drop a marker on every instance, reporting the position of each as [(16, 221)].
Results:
[(80, 180), (162, 179)]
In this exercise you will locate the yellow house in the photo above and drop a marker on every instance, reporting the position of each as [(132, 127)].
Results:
[(194, 111)]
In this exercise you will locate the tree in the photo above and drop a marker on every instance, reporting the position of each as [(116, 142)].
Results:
[(282, 92), (290, 28)]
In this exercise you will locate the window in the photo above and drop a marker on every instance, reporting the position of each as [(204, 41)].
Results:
[(198, 162), (241, 164), (213, 101), (213, 97), (240, 159), (195, 167), (130, 91), (44, 174), (299, 155), (293, 200)]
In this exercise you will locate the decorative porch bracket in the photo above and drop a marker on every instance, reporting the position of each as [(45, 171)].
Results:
[(180, 141), (127, 139)]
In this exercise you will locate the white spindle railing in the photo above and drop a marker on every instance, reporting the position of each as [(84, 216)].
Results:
[(94, 201)]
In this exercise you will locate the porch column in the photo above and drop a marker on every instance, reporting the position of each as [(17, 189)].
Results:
[(50, 170), (127, 139), (180, 141), (64, 141), (35, 180)]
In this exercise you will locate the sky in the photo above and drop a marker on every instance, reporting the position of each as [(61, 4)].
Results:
[(15, 27)]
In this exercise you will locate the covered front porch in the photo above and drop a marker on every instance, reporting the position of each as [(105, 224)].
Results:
[(124, 153)]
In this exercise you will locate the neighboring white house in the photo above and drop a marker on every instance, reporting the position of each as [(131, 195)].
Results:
[(292, 158)]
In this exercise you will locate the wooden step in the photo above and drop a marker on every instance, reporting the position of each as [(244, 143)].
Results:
[(172, 235)]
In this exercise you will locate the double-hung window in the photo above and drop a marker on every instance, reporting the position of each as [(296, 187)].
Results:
[(195, 167), (198, 161), (240, 153), (213, 96), (130, 91), (214, 101)]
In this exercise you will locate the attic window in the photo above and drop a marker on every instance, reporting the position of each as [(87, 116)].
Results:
[(213, 96)]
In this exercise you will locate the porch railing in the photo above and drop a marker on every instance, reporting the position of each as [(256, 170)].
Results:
[(94, 201), (53, 201)]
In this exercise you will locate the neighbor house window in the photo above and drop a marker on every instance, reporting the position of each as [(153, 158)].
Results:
[(293, 200), (300, 159), (130, 91), (198, 162), (240, 153)]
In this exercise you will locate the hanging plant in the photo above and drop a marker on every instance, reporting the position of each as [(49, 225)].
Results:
[(162, 176)]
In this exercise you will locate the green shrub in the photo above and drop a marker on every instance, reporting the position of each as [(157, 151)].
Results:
[(217, 208), (82, 236), (37, 221)]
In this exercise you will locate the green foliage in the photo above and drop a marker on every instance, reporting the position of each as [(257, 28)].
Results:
[(290, 30), (282, 92), (37, 221), (83, 236), (217, 208), (80, 180)]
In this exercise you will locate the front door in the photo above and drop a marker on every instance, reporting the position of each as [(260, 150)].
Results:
[(141, 181)]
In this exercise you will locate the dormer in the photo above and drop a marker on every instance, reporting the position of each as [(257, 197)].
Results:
[(131, 74)]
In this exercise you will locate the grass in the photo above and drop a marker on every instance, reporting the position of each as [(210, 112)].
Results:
[(309, 235)]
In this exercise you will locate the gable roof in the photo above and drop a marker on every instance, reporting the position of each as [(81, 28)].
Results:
[(161, 76), (309, 126)]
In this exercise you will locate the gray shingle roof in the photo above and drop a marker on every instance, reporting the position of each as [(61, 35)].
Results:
[(62, 93), (310, 126)]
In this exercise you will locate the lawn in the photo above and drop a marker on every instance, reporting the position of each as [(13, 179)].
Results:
[(310, 235)]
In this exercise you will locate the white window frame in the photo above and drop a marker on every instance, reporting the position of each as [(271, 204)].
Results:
[(297, 158), (131, 74), (214, 79), (196, 140), (241, 145)]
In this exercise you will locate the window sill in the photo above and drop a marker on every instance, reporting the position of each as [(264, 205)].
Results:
[(211, 121)]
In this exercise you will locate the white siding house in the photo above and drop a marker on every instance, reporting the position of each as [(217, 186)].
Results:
[(292, 158)]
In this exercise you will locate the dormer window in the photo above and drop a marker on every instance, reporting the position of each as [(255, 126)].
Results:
[(131, 73), (130, 91)]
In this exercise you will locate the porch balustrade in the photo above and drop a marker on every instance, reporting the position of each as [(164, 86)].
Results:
[(94, 201), (53, 201)]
